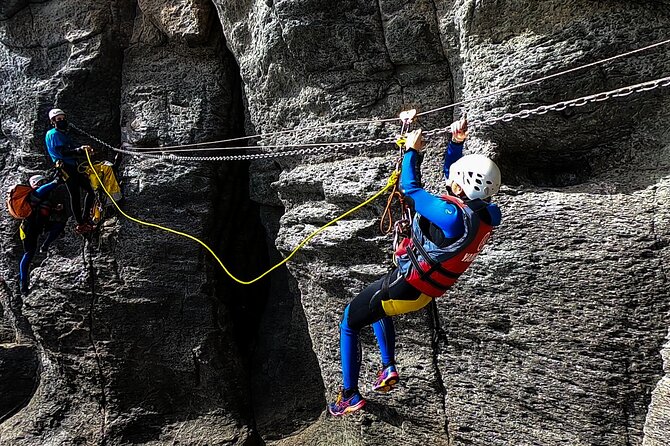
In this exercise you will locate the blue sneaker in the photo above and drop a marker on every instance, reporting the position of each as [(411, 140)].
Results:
[(386, 379), (343, 407)]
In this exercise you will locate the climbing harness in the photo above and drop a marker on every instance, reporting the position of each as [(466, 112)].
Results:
[(432, 269), (389, 184)]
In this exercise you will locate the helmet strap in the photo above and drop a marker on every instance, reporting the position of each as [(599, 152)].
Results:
[(456, 189)]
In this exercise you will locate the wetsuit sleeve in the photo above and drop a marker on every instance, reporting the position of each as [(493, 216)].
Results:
[(452, 153), (44, 190), (444, 215)]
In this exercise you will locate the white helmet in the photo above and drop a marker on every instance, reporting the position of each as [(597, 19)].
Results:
[(477, 175), (55, 112), (37, 180)]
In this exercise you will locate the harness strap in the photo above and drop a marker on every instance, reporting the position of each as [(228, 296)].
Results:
[(434, 265), (386, 285), (413, 259), (60, 169), (425, 276)]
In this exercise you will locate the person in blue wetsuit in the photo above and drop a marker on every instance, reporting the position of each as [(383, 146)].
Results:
[(447, 234), (46, 217), (66, 156)]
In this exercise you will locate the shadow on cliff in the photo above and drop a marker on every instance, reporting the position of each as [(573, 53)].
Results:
[(20, 368), (285, 390), (620, 160)]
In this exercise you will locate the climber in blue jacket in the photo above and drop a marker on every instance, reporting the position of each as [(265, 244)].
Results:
[(447, 234), (65, 155)]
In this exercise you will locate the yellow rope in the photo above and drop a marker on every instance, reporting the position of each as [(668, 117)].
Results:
[(391, 181)]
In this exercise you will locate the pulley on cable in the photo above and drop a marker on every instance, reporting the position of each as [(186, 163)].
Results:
[(401, 224)]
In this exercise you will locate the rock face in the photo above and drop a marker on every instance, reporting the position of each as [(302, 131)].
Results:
[(553, 337), (657, 430)]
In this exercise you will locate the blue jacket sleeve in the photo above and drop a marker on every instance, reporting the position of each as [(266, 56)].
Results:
[(44, 190), (443, 214), (60, 146), (452, 153)]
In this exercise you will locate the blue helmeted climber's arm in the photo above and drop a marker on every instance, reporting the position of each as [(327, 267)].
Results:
[(443, 214), (452, 153), (44, 190)]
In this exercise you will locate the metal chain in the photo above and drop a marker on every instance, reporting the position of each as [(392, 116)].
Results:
[(273, 154), (248, 156), (559, 106), (98, 140), (507, 117)]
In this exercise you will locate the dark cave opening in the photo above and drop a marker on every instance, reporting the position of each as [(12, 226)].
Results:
[(19, 377), (546, 168), (266, 318)]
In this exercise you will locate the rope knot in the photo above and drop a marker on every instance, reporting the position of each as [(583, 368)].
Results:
[(393, 179)]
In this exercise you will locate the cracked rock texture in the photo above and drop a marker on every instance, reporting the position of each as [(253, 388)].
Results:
[(554, 336)]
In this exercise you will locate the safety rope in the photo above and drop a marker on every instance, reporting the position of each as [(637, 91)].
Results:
[(91, 312), (269, 134), (384, 120), (544, 78), (386, 222), (558, 106), (389, 184)]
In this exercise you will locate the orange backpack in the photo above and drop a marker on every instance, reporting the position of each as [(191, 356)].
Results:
[(18, 201)]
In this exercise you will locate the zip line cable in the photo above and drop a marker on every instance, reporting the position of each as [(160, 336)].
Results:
[(279, 132), (445, 107), (544, 78), (305, 149)]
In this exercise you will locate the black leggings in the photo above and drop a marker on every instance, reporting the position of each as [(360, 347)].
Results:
[(367, 308), (75, 182)]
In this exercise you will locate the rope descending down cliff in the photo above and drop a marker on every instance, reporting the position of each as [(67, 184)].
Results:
[(390, 183)]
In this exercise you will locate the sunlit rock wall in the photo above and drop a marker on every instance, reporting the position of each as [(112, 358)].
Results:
[(553, 337)]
